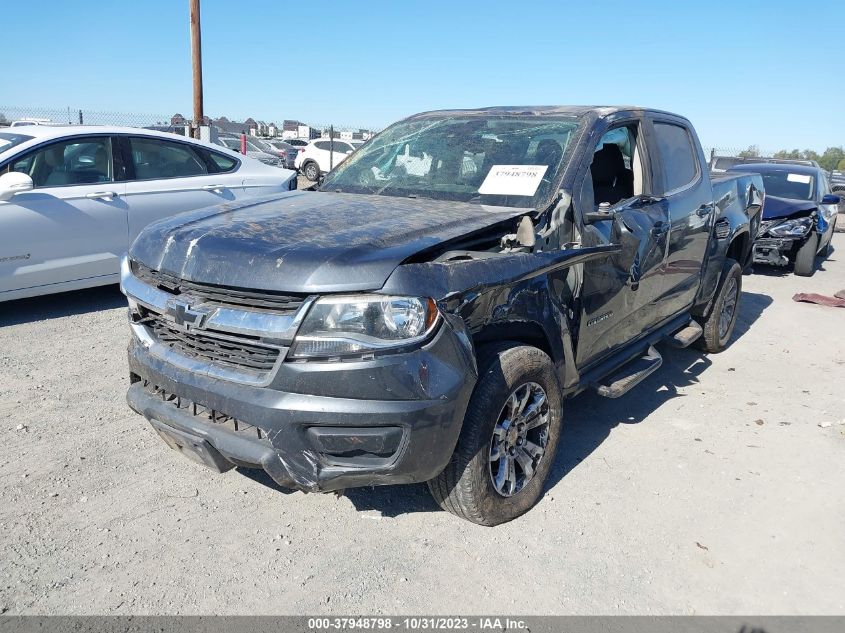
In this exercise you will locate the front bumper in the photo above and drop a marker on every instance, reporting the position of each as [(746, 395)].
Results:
[(777, 251), (318, 426)]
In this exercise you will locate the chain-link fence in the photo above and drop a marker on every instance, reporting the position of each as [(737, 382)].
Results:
[(752, 151), (78, 116), (285, 128)]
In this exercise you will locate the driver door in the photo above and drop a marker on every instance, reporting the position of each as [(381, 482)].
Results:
[(618, 292), (72, 225)]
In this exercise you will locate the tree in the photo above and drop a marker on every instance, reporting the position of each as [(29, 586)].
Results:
[(792, 155), (840, 166), (3, 119), (752, 152), (831, 158), (809, 154)]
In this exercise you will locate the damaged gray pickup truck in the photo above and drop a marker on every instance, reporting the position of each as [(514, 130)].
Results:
[(422, 314)]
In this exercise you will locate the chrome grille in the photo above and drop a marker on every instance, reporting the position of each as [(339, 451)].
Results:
[(222, 295), (240, 352)]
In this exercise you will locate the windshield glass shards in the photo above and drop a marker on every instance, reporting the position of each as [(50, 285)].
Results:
[(501, 160)]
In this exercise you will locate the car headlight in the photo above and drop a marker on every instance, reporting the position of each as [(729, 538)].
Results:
[(792, 228), (362, 324)]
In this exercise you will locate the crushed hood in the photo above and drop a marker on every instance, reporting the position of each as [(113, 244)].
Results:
[(775, 207), (307, 241)]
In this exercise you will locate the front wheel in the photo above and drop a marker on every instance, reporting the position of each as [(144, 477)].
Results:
[(508, 440), (719, 325), (805, 259), (311, 171)]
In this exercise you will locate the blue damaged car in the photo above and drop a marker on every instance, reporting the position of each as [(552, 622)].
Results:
[(798, 215)]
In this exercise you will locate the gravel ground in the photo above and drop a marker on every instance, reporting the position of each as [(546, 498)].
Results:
[(716, 487)]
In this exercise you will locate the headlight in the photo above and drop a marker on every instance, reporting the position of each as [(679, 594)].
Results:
[(792, 228), (335, 326)]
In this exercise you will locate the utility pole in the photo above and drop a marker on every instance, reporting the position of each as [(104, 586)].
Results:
[(196, 61)]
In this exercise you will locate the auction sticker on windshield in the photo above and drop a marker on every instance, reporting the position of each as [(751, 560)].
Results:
[(802, 178), (513, 180)]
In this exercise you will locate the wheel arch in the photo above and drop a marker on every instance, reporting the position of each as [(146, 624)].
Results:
[(739, 248), (522, 332)]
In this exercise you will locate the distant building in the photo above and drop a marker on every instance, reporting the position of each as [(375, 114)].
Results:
[(225, 126), (298, 129)]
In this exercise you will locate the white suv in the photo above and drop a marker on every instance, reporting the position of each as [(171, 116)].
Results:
[(318, 157)]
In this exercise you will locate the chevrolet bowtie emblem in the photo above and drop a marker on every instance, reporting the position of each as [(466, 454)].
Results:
[(186, 316)]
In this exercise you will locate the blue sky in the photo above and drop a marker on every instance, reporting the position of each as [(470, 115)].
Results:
[(744, 71)]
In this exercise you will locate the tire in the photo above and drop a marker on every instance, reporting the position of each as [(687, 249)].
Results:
[(717, 332), (827, 251), (311, 170), (466, 487), (805, 259)]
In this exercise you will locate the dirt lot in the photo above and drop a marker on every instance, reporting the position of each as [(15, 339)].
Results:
[(715, 487)]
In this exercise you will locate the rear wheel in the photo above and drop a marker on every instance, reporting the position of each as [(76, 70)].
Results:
[(719, 325), (508, 440), (805, 259), (311, 171)]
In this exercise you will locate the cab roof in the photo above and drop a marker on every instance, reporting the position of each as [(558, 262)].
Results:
[(571, 110)]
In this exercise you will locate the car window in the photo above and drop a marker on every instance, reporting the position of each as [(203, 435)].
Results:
[(677, 155), (497, 160), (224, 163), (783, 183), (616, 170), (342, 147), (8, 141), (324, 145), (158, 158), (75, 161)]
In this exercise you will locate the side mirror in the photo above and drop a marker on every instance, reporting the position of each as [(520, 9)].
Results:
[(12, 183), (831, 198)]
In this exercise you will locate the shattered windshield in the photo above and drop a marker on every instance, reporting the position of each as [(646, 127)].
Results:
[(501, 160)]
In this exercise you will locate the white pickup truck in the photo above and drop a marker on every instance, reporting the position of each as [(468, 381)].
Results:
[(73, 198)]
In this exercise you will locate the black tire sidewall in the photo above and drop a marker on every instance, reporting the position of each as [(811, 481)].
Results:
[(805, 258), (511, 369), (710, 340), (734, 271)]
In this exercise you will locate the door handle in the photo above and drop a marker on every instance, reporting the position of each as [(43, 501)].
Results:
[(704, 210), (101, 195), (212, 187)]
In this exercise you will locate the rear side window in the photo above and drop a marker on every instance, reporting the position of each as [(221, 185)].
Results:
[(677, 155), (324, 145), (224, 163), (157, 158)]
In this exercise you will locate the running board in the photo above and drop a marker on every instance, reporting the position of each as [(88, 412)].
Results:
[(631, 374), (687, 336)]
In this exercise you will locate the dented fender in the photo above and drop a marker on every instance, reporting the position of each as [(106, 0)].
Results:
[(506, 296)]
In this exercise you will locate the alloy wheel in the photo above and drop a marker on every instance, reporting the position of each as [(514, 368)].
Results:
[(519, 439)]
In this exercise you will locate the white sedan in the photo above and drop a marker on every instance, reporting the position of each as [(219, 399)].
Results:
[(73, 198)]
